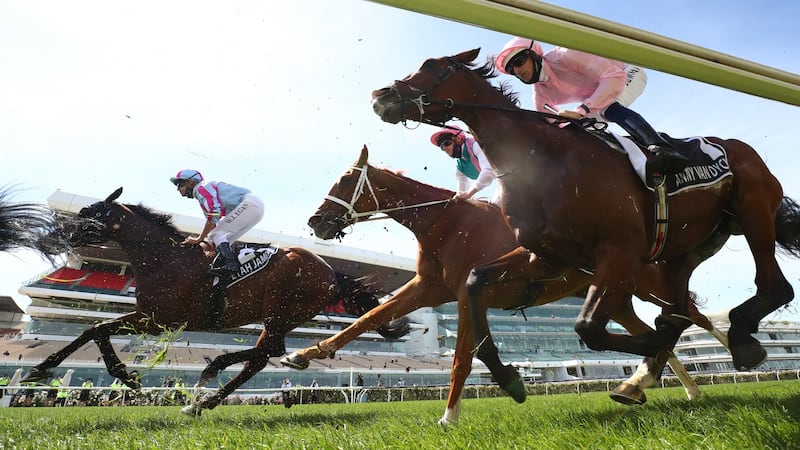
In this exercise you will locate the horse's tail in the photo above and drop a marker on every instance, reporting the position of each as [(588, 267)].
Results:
[(30, 225), (358, 297), (787, 227)]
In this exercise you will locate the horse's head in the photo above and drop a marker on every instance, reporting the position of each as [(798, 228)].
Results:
[(95, 223), (428, 95), (345, 201)]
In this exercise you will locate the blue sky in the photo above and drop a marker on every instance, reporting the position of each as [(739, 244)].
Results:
[(275, 96)]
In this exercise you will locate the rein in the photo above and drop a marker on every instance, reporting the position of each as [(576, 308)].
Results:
[(424, 100), (354, 216), (586, 124)]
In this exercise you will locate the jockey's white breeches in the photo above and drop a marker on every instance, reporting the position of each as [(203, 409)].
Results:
[(238, 221)]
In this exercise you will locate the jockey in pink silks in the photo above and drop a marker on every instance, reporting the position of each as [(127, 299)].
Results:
[(603, 87)]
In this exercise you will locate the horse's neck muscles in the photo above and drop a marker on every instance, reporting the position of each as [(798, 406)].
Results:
[(397, 191)]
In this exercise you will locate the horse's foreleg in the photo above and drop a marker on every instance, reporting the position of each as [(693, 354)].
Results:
[(631, 391), (689, 385), (610, 290), (462, 366), (42, 370), (97, 333), (506, 376), (116, 368), (519, 267)]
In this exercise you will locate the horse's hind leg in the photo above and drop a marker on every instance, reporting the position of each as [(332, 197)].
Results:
[(256, 359), (756, 215), (413, 295)]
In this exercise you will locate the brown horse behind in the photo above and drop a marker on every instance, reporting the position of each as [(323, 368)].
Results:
[(453, 237), (174, 289), (574, 203)]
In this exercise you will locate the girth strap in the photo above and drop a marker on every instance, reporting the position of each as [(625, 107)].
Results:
[(661, 222)]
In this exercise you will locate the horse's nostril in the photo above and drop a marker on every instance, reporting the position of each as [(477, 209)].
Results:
[(314, 220)]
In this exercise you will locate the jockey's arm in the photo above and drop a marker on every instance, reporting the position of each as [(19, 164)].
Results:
[(209, 225)]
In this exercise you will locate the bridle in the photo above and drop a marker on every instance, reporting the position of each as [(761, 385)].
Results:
[(425, 98), (352, 216), (110, 222)]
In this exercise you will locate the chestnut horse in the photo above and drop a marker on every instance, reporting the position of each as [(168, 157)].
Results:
[(173, 285), (453, 236), (573, 203)]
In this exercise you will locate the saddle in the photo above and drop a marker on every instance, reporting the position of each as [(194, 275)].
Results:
[(708, 162), (708, 165), (252, 259)]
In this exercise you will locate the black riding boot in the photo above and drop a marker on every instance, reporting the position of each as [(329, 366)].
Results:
[(664, 157), (229, 261)]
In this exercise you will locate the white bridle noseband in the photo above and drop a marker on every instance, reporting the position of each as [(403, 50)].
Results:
[(353, 216)]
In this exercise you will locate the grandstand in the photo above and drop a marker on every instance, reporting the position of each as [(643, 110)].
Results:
[(96, 285)]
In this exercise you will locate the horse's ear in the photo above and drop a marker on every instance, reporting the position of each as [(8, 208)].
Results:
[(362, 160), (467, 56), (114, 195)]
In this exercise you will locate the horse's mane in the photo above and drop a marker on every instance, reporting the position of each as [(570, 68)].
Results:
[(161, 219), (487, 71)]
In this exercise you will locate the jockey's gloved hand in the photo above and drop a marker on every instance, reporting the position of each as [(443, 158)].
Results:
[(570, 114), (191, 241)]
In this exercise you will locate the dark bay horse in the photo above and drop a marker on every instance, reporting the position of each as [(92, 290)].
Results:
[(173, 290), (573, 203), (453, 237), (30, 226)]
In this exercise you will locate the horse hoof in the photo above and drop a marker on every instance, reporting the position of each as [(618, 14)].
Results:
[(628, 394), (748, 356), (295, 361), (515, 388), (192, 410), (444, 423), (133, 383)]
